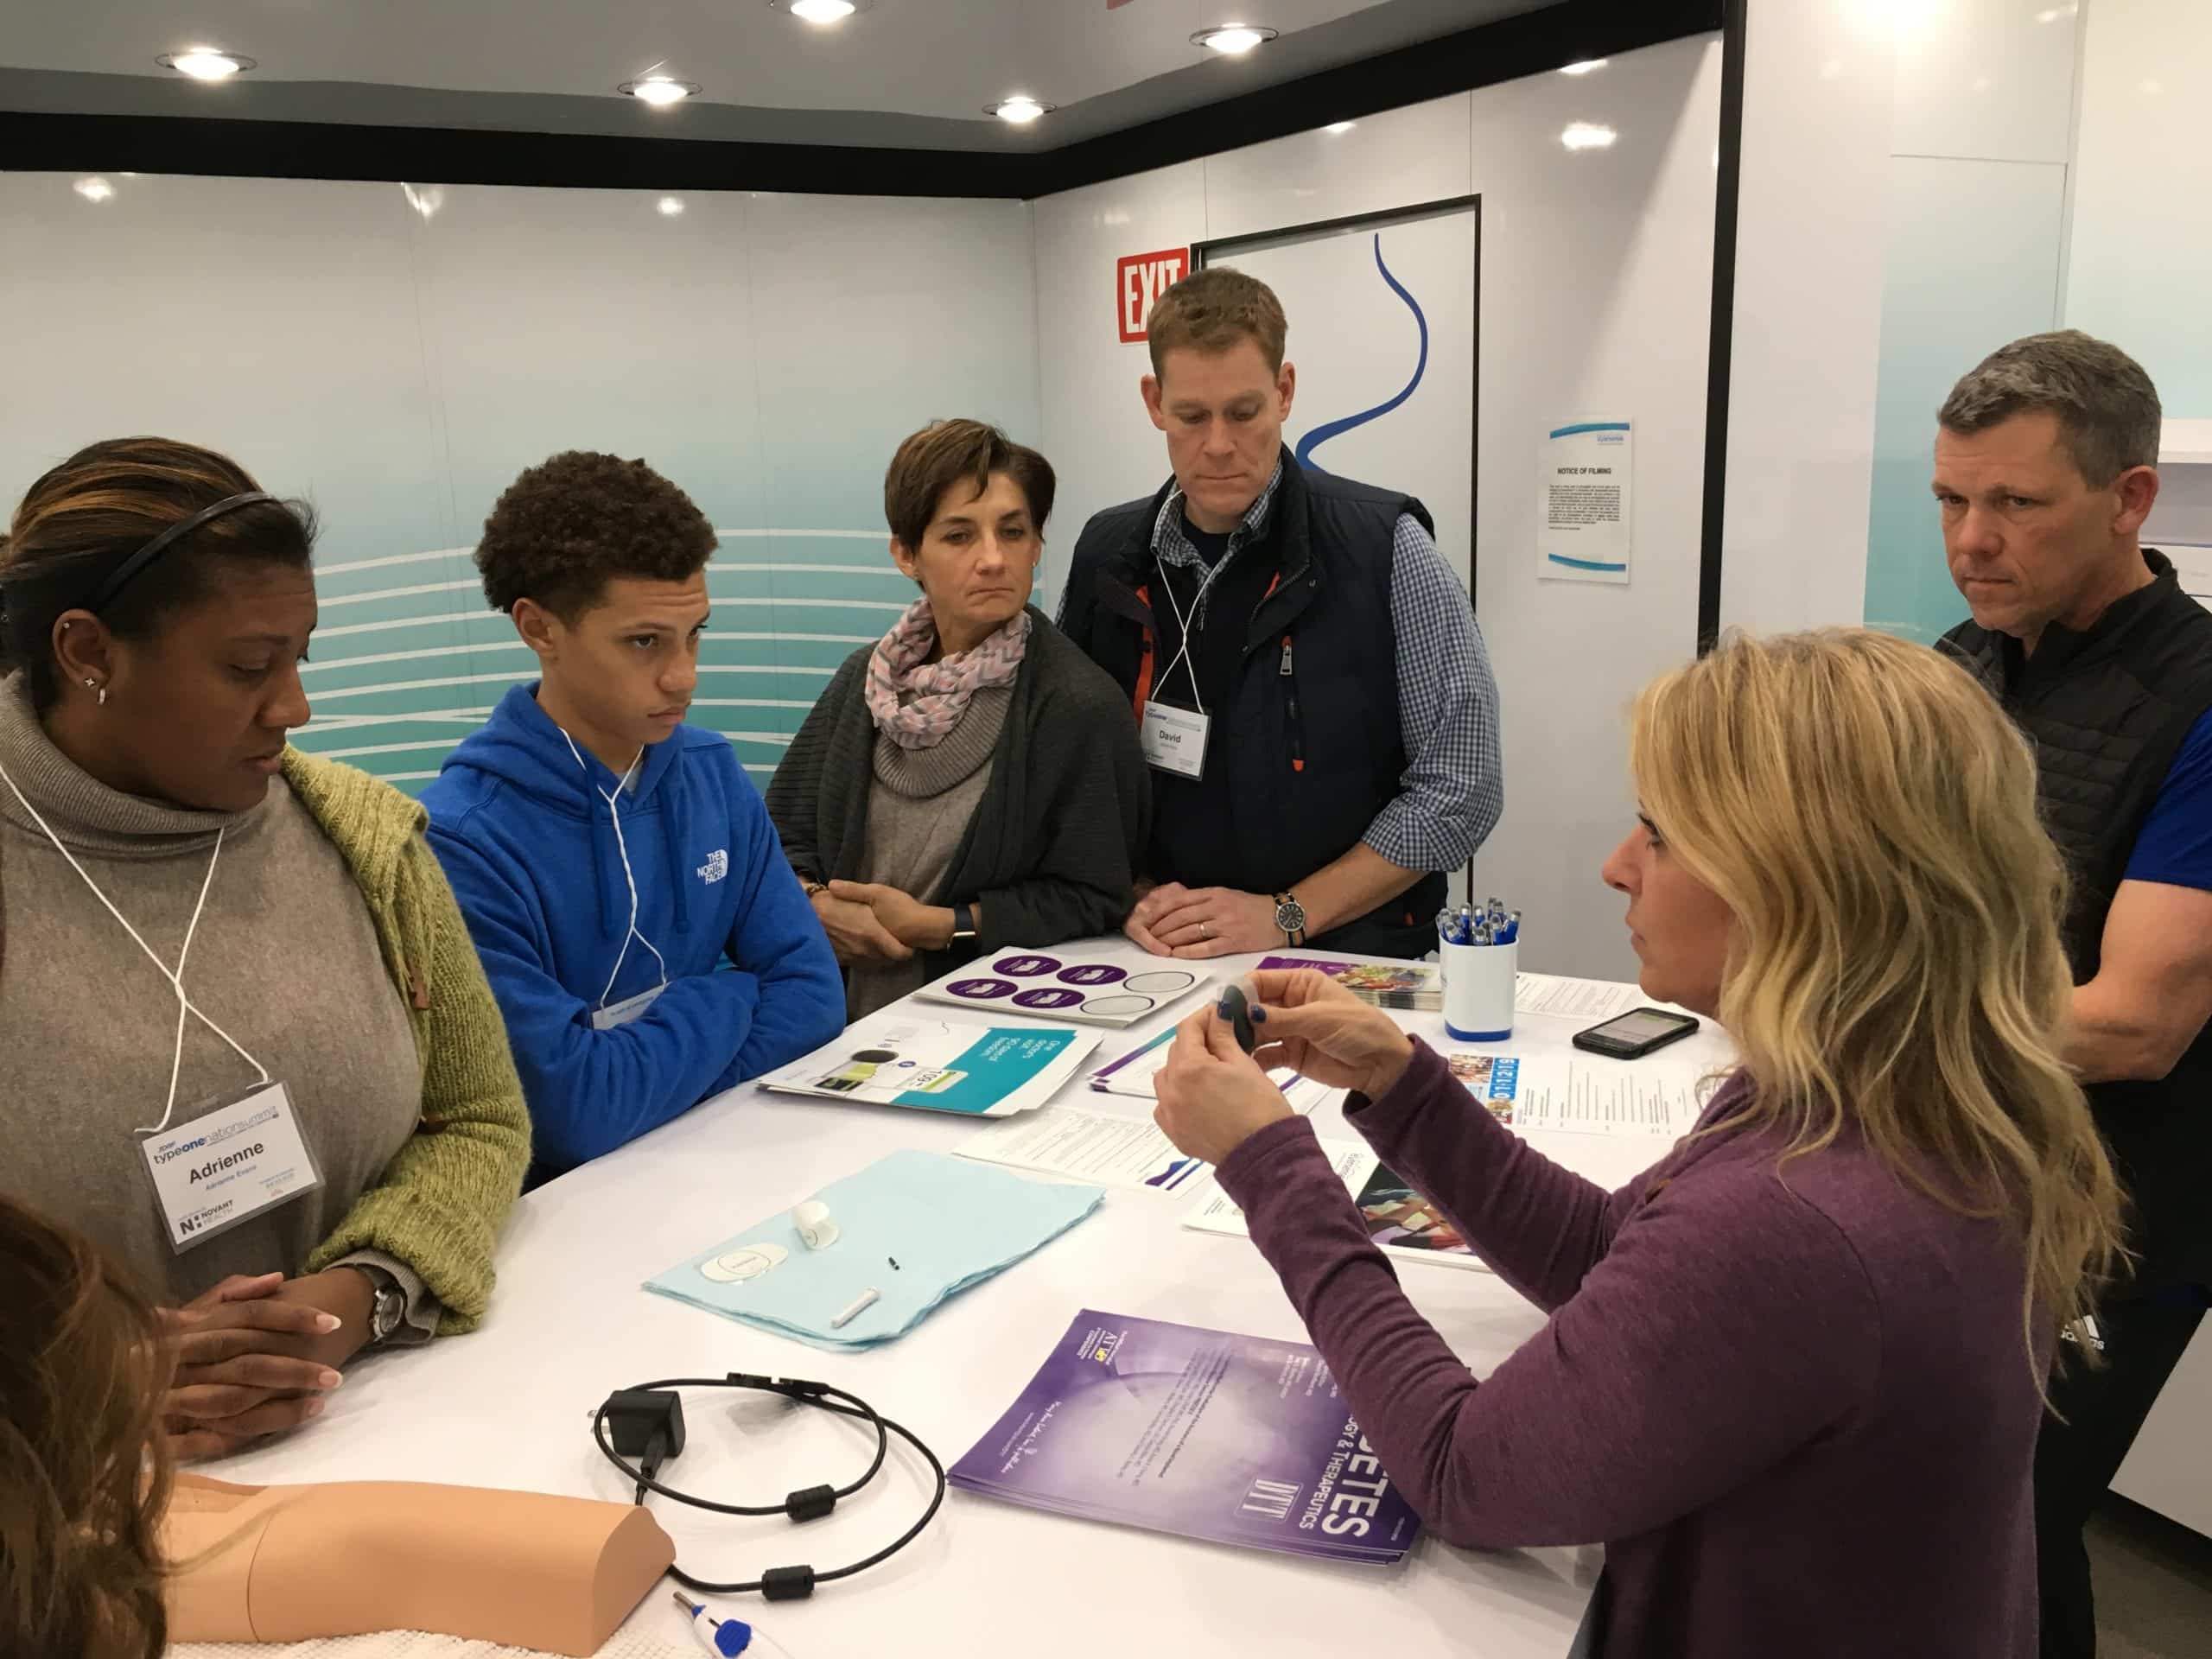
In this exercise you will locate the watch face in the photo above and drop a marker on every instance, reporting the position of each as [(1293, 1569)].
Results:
[(1290, 916)]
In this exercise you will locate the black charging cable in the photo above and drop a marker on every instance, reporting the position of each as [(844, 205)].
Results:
[(647, 1424)]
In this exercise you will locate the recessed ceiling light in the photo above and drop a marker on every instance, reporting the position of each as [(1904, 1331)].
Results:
[(660, 91), (1340, 126), (1582, 68), (205, 63), (1234, 39), (669, 207), (1583, 136), (819, 12), (1020, 109), (93, 189)]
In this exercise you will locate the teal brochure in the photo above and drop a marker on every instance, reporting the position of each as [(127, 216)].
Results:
[(948, 1223), (899, 1058)]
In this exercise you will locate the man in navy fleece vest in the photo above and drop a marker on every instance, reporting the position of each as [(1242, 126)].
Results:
[(644, 936)]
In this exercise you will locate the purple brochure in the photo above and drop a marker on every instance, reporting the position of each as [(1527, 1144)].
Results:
[(1233, 1439)]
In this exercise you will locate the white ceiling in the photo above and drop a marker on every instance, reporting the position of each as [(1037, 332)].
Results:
[(909, 67)]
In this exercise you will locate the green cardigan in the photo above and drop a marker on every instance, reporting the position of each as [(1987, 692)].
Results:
[(441, 1202)]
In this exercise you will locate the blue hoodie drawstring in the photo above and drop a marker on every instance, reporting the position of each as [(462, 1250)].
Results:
[(675, 802)]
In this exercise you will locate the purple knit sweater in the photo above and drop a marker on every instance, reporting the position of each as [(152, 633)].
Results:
[(1795, 1406)]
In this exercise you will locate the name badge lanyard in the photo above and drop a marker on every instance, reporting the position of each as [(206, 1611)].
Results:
[(1198, 613), (184, 1003), (604, 1017)]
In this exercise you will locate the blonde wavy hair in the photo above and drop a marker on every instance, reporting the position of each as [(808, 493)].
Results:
[(1867, 814)]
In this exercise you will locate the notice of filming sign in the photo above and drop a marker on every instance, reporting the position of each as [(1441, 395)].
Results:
[(1582, 517)]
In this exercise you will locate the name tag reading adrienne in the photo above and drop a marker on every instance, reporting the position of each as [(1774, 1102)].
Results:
[(1174, 739), (229, 1166)]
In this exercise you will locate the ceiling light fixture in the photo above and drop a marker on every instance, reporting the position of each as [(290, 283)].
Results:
[(670, 207), (93, 189), (1583, 136), (205, 63), (660, 91), (425, 202), (1582, 68), (1020, 109), (820, 13), (1234, 39), (1340, 126)]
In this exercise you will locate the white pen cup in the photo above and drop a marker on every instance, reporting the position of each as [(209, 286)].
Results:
[(1478, 990)]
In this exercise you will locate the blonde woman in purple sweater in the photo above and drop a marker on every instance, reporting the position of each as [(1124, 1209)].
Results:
[(1792, 1374)]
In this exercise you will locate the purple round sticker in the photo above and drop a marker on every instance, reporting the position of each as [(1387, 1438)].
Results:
[(1048, 997), (1092, 973), (1025, 967), (980, 989)]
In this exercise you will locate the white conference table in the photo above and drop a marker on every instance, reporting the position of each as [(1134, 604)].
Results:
[(509, 1405)]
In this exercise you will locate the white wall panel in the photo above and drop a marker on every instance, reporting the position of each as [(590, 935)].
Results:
[(1096, 433), (1400, 158), (1985, 79)]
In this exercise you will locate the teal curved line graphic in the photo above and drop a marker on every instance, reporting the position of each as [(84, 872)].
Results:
[(1591, 426), (1320, 435), (1584, 564)]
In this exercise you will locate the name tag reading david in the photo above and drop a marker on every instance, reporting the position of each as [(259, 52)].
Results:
[(1174, 739), (229, 1166)]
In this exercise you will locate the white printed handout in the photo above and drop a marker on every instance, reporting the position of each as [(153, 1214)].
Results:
[(1399, 1220), (1573, 999), (1590, 1095), (1105, 1146)]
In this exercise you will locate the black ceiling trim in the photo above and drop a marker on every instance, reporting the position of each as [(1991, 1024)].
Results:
[(1505, 50)]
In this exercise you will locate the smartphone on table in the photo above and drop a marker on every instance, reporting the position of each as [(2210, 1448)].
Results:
[(1632, 1035)]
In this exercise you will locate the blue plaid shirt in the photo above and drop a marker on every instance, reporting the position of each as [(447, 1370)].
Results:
[(1453, 787)]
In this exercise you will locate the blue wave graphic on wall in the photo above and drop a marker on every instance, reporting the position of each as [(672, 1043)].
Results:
[(1320, 435)]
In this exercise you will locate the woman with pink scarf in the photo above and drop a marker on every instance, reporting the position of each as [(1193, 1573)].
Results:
[(971, 781)]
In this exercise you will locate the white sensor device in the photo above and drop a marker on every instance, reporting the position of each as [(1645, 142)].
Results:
[(815, 1228)]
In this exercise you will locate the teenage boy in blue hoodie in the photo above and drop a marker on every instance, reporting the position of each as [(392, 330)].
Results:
[(647, 942)]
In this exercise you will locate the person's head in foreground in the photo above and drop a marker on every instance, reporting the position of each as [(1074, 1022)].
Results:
[(602, 564), (82, 1478), (2046, 466), (967, 507), (1837, 856), (1219, 389), (158, 604)]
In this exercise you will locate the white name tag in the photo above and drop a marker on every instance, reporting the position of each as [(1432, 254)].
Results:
[(627, 1010), (229, 1166), (1174, 739)]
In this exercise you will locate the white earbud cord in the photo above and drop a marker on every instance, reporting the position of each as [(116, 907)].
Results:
[(184, 1004), (622, 846)]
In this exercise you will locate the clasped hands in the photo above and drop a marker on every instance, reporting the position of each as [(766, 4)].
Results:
[(255, 1356), (869, 921), (1195, 922), (1213, 1096)]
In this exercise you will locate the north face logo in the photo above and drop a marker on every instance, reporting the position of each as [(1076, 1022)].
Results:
[(715, 867)]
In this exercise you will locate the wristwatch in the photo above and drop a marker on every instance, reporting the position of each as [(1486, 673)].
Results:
[(1290, 916), (963, 923), (389, 1307)]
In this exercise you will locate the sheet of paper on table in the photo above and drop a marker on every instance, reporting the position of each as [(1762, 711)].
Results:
[(1574, 999), (1589, 1094), (1400, 1221), (1105, 1147)]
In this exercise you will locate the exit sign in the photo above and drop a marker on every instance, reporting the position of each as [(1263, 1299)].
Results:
[(1139, 279)]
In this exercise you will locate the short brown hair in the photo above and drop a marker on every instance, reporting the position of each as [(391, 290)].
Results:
[(559, 532), (1211, 310), (2107, 409), (946, 453), (84, 1476)]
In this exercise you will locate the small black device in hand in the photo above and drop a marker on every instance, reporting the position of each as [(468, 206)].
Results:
[(1630, 1036), (1236, 1008)]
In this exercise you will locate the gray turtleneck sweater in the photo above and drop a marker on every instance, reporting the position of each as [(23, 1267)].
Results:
[(285, 959)]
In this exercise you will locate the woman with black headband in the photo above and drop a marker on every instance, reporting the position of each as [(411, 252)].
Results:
[(252, 1052)]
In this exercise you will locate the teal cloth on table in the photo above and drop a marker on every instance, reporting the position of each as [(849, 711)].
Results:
[(949, 1222)]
